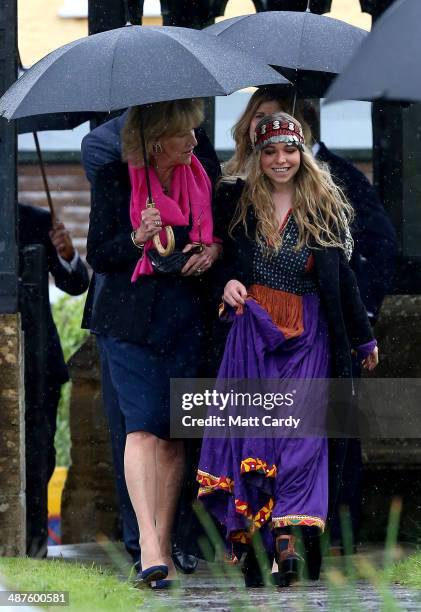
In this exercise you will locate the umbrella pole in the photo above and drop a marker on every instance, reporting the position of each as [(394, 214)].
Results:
[(164, 251), (44, 179), (294, 102), (145, 160)]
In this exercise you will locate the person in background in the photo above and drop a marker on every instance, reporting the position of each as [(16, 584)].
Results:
[(264, 101), (373, 262), (102, 146), (71, 276)]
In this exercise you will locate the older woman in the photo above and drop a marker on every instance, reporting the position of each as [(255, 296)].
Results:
[(149, 324)]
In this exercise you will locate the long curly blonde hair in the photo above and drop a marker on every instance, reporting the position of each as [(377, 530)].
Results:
[(236, 166), (320, 208), (162, 119)]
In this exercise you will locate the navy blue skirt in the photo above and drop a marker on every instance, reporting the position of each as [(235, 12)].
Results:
[(141, 376), (141, 373)]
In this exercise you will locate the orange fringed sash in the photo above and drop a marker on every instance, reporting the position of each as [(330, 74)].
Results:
[(285, 309)]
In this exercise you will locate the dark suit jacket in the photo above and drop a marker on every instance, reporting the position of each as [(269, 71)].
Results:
[(101, 158), (347, 318), (373, 258), (115, 306), (33, 227)]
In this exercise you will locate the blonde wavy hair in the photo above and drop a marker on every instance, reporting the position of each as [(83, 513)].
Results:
[(321, 209), (163, 119), (236, 166)]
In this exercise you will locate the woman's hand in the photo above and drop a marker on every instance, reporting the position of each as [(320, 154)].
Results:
[(370, 362), (150, 225), (201, 262), (234, 293)]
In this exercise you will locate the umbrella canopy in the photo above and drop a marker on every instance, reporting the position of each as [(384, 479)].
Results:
[(387, 65), (309, 50), (130, 66), (58, 121)]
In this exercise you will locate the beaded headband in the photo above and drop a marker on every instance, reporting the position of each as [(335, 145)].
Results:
[(278, 128)]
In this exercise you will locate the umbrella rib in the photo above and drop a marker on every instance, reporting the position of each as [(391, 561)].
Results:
[(235, 20), (185, 47), (301, 38), (117, 38)]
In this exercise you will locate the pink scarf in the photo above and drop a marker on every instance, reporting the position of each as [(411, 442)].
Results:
[(191, 191)]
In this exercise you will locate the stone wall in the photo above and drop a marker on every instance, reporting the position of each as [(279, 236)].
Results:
[(89, 509), (12, 443), (392, 468)]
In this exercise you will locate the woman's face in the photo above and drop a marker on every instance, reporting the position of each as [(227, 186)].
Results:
[(177, 149), (265, 108), (280, 162)]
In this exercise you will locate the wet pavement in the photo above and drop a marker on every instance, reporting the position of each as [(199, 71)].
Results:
[(210, 589)]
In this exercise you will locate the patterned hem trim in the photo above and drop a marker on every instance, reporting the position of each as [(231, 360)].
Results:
[(209, 483), (252, 464), (260, 518), (298, 519)]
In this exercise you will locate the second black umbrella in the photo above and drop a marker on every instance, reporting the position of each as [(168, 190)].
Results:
[(309, 50)]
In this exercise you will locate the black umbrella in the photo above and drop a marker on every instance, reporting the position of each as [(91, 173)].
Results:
[(55, 121), (309, 50), (131, 66), (387, 65), (41, 123)]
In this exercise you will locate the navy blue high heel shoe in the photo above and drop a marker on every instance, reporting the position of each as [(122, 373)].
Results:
[(155, 572)]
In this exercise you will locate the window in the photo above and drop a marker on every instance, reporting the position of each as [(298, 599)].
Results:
[(74, 9)]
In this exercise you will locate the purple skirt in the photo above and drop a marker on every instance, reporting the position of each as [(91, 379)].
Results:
[(250, 484)]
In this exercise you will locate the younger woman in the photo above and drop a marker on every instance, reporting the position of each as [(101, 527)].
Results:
[(296, 314)]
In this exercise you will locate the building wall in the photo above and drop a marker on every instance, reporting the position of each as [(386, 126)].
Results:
[(41, 29)]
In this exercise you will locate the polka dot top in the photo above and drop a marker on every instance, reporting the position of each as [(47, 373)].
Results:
[(288, 270)]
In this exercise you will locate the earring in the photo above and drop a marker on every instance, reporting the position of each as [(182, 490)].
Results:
[(157, 148)]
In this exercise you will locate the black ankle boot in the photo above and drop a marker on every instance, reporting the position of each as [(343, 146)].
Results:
[(289, 562)]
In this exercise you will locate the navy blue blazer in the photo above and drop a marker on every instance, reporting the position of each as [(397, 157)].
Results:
[(111, 252), (115, 306), (34, 225)]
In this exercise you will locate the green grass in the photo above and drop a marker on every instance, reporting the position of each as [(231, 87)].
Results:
[(67, 314), (408, 571), (90, 587)]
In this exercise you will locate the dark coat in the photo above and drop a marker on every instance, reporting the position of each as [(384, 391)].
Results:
[(101, 158), (346, 315), (115, 306), (33, 226), (375, 246)]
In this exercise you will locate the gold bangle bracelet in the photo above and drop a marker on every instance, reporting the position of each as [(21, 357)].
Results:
[(139, 245)]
